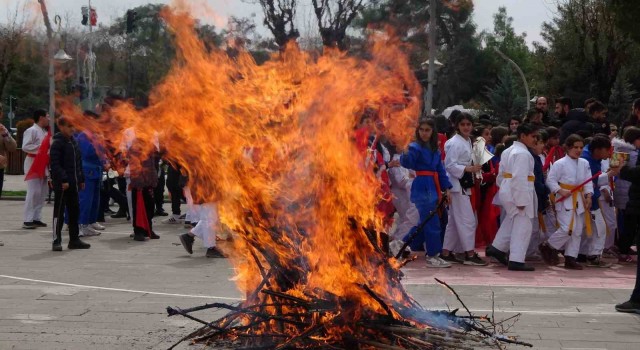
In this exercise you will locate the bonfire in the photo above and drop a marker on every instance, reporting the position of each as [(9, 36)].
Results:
[(273, 145)]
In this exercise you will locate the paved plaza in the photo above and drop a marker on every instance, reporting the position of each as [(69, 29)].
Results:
[(114, 295)]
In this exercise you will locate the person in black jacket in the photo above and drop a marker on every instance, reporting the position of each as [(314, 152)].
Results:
[(67, 179), (631, 173)]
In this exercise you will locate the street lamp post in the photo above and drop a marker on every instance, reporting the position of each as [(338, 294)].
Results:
[(499, 39), (432, 57)]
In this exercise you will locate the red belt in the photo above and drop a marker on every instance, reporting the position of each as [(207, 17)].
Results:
[(436, 179), (31, 155)]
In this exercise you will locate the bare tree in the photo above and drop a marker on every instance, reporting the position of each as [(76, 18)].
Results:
[(12, 35), (279, 17), (334, 17)]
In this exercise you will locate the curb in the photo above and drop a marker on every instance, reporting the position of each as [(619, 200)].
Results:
[(12, 198)]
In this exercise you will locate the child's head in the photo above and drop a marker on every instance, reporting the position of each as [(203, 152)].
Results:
[(499, 134), (574, 145), (534, 116), (484, 131), (65, 126), (426, 131), (600, 146), (527, 134), (510, 140), (513, 124), (464, 124), (541, 142), (553, 138), (632, 136)]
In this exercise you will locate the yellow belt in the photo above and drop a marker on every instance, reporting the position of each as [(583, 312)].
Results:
[(574, 201), (530, 178)]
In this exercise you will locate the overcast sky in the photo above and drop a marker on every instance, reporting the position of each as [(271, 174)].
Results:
[(528, 15)]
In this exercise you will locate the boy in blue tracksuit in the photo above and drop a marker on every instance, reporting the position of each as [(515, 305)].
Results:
[(591, 246), (92, 165)]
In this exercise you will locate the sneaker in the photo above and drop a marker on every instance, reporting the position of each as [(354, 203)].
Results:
[(88, 231), (582, 258), (78, 244), (570, 263), (549, 255), (497, 254), (475, 260), (119, 215), (187, 224), (451, 258), (215, 253), (436, 261), (172, 220), (97, 226), (160, 213), (154, 235), (609, 253), (518, 266), (187, 242), (28, 225), (39, 223), (56, 247), (597, 262), (108, 211), (182, 217), (629, 306)]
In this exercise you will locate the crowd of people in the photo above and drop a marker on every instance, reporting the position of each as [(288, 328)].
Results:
[(552, 186)]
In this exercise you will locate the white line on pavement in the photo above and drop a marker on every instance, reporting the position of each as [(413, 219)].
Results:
[(120, 289), (493, 284)]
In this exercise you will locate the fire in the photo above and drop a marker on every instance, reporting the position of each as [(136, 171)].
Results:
[(273, 145)]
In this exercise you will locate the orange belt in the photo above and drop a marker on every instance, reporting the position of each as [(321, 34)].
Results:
[(530, 178), (574, 200), (436, 179)]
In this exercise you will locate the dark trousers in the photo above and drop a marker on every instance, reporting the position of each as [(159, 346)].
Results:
[(111, 192), (635, 296), (158, 192), (1, 180), (173, 185), (629, 232), (149, 206), (66, 201)]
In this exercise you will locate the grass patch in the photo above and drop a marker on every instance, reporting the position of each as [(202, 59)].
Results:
[(14, 193)]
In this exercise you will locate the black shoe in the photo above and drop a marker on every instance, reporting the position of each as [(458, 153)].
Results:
[(474, 260), (629, 306), (154, 236), (56, 247), (214, 253), (518, 266), (119, 215), (28, 225), (570, 263), (108, 211), (549, 255), (497, 254), (160, 213), (39, 223), (78, 244), (187, 242), (451, 258), (140, 237), (582, 258)]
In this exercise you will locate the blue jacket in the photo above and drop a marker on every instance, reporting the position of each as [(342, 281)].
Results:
[(542, 191), (596, 166), (91, 161), (420, 158)]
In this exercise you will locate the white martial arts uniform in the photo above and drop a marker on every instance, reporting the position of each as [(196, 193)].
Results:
[(593, 245), (608, 210), (37, 189), (516, 178), (570, 216), (461, 229), (208, 223), (408, 215)]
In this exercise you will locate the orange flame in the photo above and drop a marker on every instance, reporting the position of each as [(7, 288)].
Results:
[(273, 145)]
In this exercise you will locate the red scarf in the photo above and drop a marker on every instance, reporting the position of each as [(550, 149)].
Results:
[(41, 161)]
